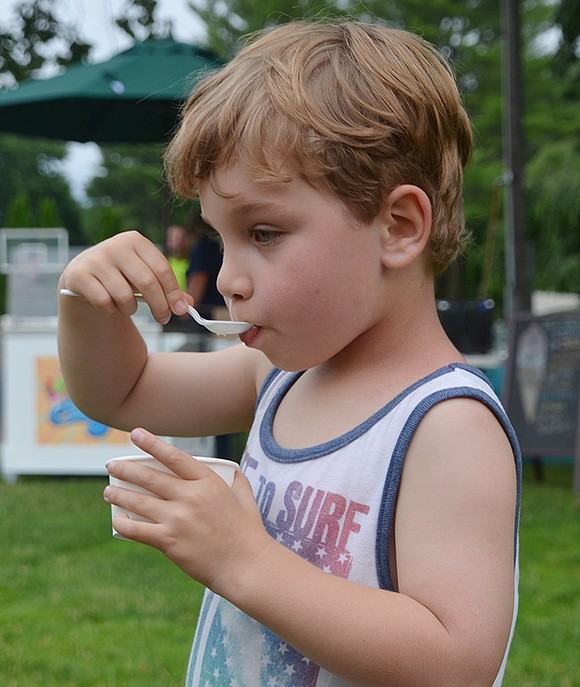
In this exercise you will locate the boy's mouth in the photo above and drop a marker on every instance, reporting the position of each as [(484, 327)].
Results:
[(251, 335)]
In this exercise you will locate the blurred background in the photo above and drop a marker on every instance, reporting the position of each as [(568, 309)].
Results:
[(119, 186)]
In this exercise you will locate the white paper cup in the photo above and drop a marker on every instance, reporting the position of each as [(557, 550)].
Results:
[(226, 469)]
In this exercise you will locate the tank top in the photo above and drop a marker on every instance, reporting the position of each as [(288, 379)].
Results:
[(333, 504)]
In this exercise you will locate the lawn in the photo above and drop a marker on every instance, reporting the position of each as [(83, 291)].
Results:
[(546, 647), (81, 609)]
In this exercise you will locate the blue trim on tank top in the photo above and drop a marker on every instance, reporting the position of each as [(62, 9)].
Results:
[(393, 479), (285, 455)]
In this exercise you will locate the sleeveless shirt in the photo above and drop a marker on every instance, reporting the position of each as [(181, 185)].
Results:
[(333, 504)]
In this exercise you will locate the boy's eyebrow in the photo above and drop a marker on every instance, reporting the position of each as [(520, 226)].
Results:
[(249, 206), (244, 208)]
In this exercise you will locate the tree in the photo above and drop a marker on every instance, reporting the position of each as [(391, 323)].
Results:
[(19, 213), (228, 22), (553, 181), (131, 182), (41, 38), (568, 55), (468, 32), (31, 167), (451, 24), (129, 190), (139, 21), (48, 213), (553, 170), (37, 38)]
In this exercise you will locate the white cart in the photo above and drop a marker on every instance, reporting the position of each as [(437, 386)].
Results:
[(43, 433)]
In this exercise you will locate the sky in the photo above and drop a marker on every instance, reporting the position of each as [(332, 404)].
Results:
[(95, 21)]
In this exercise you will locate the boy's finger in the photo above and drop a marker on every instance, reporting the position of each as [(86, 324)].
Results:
[(245, 494), (145, 533), (175, 459)]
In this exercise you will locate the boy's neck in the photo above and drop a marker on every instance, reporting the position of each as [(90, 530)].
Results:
[(338, 395), (408, 343)]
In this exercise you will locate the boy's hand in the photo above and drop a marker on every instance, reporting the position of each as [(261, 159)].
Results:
[(211, 531), (108, 274)]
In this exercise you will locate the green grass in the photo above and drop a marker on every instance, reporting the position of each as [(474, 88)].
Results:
[(81, 609), (545, 651)]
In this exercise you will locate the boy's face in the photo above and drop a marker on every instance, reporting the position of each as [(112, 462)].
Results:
[(295, 264)]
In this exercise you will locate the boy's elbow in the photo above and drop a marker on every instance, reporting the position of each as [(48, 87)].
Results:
[(475, 667), (445, 667)]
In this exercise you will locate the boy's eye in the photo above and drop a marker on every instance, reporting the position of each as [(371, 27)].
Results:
[(264, 237)]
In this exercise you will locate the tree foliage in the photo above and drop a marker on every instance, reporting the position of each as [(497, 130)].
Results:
[(37, 38), (139, 21), (130, 182), (128, 190), (470, 34), (554, 181), (19, 213), (30, 168), (568, 19), (229, 22)]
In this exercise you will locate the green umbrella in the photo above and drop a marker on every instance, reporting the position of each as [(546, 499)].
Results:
[(132, 98)]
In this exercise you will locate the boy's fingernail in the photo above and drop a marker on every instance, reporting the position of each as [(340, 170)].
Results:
[(107, 493), (180, 307), (137, 435)]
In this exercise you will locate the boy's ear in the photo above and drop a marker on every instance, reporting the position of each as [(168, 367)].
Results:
[(405, 225)]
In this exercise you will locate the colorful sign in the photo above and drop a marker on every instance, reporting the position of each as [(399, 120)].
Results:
[(59, 421)]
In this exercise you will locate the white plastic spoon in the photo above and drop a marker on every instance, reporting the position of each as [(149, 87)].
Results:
[(219, 327)]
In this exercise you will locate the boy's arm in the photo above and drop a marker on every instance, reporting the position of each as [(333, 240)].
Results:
[(170, 393), (454, 532), (107, 369)]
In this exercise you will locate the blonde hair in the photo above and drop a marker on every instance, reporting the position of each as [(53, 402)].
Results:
[(355, 109)]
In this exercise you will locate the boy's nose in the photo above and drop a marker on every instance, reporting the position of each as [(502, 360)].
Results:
[(233, 281)]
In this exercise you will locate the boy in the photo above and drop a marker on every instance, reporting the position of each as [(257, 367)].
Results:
[(372, 537)]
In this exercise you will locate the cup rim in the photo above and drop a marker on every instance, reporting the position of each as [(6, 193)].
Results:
[(201, 459)]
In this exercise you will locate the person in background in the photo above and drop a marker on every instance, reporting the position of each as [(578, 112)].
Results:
[(205, 261), (177, 251)]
